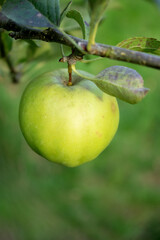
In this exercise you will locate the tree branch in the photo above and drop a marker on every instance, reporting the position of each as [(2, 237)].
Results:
[(54, 35)]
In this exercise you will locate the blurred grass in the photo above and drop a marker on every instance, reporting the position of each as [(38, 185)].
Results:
[(116, 196)]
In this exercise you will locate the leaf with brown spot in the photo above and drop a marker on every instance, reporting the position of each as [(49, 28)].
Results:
[(141, 44), (121, 82)]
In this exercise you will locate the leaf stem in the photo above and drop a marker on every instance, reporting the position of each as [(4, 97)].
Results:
[(92, 37)]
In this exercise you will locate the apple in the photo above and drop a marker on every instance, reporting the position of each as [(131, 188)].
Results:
[(69, 125)]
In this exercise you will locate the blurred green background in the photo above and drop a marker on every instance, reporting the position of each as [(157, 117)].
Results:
[(114, 197)]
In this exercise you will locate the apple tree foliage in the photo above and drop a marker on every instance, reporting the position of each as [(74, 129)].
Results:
[(27, 16)]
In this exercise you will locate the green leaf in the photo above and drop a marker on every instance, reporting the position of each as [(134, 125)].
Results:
[(33, 43), (32, 48), (7, 42), (141, 44), (74, 14), (65, 10), (49, 8), (121, 82), (23, 12), (97, 9), (87, 29)]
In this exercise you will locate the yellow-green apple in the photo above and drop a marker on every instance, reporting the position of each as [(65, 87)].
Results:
[(65, 124)]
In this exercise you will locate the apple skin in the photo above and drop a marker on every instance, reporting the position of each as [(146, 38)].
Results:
[(69, 125)]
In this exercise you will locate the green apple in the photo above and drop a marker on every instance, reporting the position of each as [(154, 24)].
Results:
[(65, 124)]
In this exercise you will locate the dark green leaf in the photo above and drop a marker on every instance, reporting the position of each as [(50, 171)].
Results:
[(32, 43), (7, 42), (49, 8), (97, 9), (74, 14), (142, 44), (65, 10), (23, 12), (32, 48), (121, 82)]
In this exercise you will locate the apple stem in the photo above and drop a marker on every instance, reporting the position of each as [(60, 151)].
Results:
[(70, 74)]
